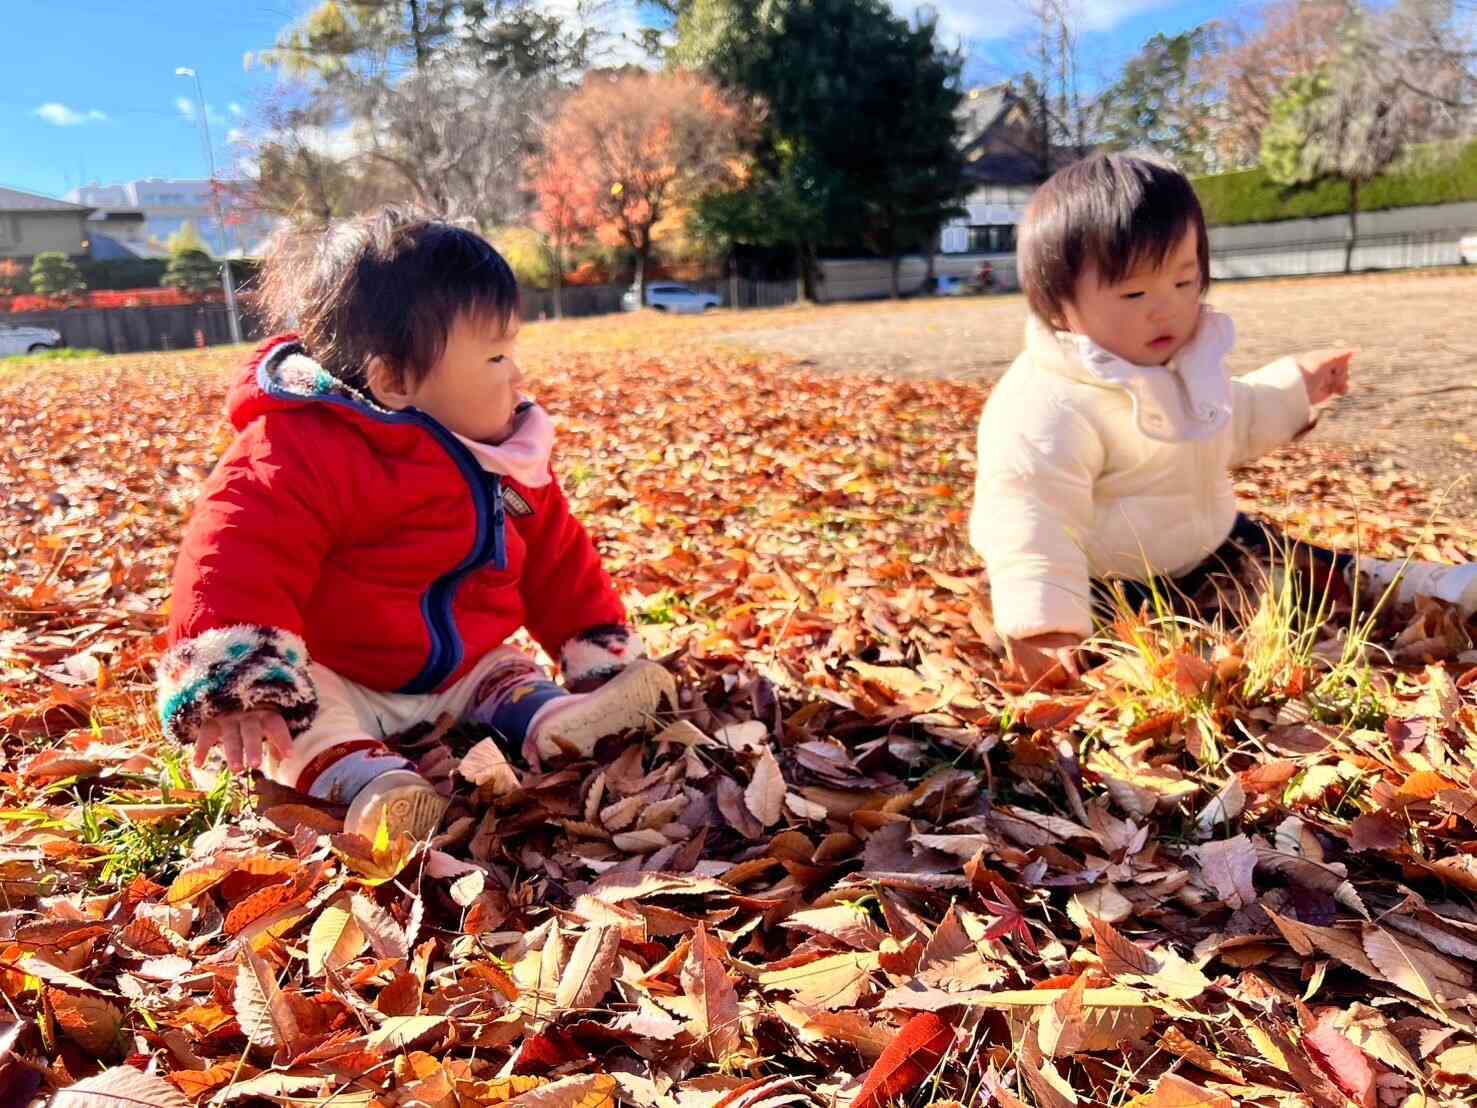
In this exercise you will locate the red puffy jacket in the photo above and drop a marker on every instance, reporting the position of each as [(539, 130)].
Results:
[(371, 542)]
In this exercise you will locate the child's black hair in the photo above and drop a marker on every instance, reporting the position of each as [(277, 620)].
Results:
[(389, 284), (1115, 211)]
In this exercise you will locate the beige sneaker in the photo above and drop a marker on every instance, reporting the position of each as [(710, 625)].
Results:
[(410, 804), (629, 699)]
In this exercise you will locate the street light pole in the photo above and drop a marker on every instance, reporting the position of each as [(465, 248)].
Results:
[(215, 199)]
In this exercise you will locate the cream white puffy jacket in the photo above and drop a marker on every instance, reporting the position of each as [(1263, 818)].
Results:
[(1072, 486)]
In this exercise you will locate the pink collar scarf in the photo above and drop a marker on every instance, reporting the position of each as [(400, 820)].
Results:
[(523, 455)]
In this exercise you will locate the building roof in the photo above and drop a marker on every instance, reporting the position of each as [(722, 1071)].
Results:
[(981, 108), (14, 200)]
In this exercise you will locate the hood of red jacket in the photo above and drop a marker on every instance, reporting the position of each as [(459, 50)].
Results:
[(281, 376)]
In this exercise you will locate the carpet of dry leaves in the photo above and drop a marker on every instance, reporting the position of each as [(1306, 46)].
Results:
[(858, 866)]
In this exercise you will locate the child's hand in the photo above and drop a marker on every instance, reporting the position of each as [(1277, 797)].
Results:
[(1046, 661), (240, 736), (1325, 373)]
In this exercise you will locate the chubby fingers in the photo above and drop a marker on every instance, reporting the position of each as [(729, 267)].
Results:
[(279, 738), (209, 737)]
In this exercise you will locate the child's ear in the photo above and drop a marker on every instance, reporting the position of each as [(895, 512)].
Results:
[(386, 384)]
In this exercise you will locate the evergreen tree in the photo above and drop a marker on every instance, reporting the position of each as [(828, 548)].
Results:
[(55, 274)]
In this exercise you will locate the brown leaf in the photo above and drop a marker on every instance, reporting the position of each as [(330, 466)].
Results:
[(1415, 967), (89, 1020), (706, 984), (852, 1027), (1174, 1091), (486, 764), (1120, 955), (266, 1018), (833, 981), (765, 795), (591, 968), (585, 1090), (1227, 867), (120, 1087)]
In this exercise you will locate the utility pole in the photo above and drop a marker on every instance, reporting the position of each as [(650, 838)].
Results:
[(215, 199)]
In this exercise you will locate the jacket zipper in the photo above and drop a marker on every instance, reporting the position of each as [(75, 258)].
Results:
[(490, 547)]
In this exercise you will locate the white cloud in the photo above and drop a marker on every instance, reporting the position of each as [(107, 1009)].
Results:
[(59, 115), (234, 108), (986, 20), (189, 109), (235, 135)]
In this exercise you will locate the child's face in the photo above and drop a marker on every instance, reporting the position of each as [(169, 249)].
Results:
[(474, 387), (1149, 316)]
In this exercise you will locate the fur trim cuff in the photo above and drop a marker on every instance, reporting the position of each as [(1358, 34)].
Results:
[(235, 669), (596, 655)]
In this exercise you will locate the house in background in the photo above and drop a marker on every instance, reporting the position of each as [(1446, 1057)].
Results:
[(116, 233), (167, 204), (32, 224), (1004, 164)]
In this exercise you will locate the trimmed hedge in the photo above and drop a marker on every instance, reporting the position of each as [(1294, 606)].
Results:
[(1252, 197), (122, 273), (145, 273)]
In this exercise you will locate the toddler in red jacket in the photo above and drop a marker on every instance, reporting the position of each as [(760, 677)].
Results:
[(384, 520)]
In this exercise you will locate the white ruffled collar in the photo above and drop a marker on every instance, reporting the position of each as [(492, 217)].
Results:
[(1188, 400)]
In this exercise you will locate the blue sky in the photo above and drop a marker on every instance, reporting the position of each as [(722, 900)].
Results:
[(90, 93)]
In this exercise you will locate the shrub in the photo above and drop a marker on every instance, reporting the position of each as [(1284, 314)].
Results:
[(192, 271), (56, 275)]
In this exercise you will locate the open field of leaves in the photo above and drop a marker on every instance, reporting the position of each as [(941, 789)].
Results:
[(1235, 865)]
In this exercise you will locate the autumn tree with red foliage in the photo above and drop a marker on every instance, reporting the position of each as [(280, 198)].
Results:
[(631, 148), (565, 214)]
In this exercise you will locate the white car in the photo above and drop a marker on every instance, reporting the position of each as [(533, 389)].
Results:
[(672, 298), (1468, 248), (18, 338)]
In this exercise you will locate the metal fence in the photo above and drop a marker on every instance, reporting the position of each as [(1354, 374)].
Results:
[(1401, 250), (135, 330)]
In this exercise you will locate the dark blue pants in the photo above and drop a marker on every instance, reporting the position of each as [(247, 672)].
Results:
[(1249, 538)]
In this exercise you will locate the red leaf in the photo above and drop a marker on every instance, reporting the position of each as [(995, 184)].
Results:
[(1341, 1060), (920, 1045)]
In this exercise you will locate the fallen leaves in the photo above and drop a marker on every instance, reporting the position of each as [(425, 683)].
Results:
[(855, 867)]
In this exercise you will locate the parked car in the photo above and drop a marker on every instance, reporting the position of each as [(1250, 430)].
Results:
[(18, 338), (1468, 248), (671, 298), (951, 286)]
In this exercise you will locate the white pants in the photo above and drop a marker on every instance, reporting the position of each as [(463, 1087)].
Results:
[(348, 711)]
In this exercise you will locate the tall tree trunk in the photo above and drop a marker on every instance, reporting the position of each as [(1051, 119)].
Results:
[(1353, 238), (558, 281), (416, 34), (893, 263), (641, 252), (802, 278), (733, 280)]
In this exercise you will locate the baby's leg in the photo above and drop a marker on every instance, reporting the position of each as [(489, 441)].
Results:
[(513, 696), (342, 759)]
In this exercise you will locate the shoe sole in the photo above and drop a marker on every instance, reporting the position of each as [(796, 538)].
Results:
[(413, 809), (630, 699)]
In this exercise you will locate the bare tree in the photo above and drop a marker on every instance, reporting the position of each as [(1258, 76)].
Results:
[(458, 137), (1402, 80)]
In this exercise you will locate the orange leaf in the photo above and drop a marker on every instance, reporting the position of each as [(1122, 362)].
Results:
[(922, 1043)]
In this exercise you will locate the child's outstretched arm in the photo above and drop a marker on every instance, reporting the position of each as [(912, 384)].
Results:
[(1033, 510), (1274, 405), (573, 608), (236, 671)]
